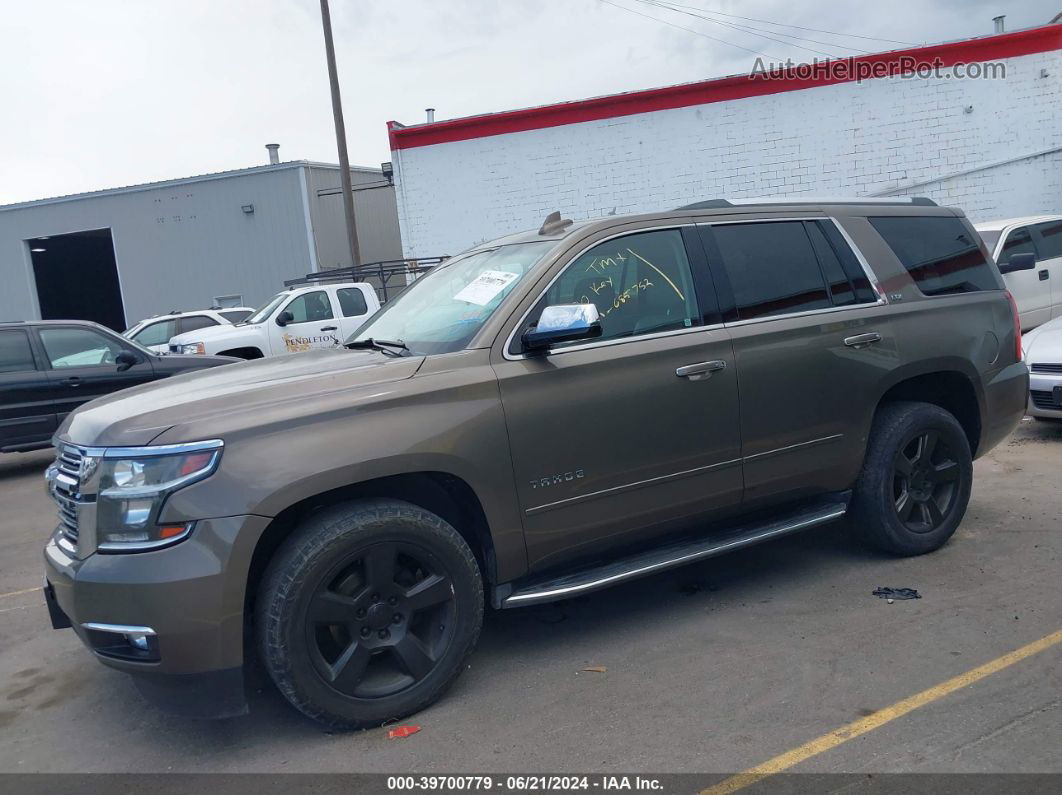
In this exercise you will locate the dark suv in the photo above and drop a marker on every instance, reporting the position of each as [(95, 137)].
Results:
[(546, 414), (50, 367)]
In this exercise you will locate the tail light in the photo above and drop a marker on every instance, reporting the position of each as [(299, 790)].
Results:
[(1017, 326)]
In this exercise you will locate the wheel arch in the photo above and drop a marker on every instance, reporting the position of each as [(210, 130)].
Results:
[(954, 386), (442, 493), (243, 352)]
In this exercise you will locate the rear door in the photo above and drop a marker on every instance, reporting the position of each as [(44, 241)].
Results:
[(1048, 239), (27, 413), (353, 309), (81, 365), (313, 324), (810, 347), (1031, 289)]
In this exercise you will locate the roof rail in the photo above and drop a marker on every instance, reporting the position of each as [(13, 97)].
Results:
[(719, 204)]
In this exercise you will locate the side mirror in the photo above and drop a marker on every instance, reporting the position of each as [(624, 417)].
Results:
[(1018, 262), (284, 318), (563, 323), (125, 360)]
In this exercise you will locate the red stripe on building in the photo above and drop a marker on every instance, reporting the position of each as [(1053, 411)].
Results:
[(988, 48)]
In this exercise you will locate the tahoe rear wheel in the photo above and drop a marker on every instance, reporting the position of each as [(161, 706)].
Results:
[(368, 611), (916, 479)]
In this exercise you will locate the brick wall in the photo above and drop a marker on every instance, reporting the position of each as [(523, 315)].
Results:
[(849, 139)]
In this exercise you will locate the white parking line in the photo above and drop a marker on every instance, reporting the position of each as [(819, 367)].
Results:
[(18, 593)]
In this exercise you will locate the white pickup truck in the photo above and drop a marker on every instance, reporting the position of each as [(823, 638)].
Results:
[(299, 319)]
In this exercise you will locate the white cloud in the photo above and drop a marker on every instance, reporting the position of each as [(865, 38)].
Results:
[(112, 92)]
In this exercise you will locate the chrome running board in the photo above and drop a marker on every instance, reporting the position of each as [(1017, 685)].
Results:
[(670, 556)]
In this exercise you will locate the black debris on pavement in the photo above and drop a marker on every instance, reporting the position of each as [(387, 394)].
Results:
[(896, 593)]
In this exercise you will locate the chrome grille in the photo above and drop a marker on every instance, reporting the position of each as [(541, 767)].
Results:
[(1047, 368), (65, 489)]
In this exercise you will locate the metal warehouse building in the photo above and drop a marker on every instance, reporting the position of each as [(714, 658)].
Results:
[(989, 144), (117, 256)]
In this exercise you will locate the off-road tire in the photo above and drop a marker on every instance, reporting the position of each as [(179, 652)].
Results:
[(874, 513), (292, 584)]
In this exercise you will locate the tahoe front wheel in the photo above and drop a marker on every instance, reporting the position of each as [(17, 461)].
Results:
[(916, 479), (368, 611)]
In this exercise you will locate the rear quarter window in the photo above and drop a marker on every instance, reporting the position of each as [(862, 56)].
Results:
[(940, 252), (15, 354)]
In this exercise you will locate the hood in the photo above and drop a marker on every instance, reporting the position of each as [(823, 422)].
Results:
[(210, 333), (1044, 343), (231, 394)]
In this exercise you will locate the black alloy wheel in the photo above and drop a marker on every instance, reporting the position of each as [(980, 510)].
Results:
[(916, 479), (380, 620), (368, 611), (925, 481)]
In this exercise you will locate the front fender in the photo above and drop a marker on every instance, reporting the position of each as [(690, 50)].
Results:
[(448, 422)]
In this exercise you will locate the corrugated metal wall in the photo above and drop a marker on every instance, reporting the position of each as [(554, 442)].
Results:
[(178, 245), (375, 209)]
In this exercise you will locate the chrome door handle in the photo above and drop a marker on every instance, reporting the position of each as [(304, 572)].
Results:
[(695, 372), (862, 340)]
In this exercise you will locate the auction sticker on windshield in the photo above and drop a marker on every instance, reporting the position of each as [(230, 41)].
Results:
[(485, 287)]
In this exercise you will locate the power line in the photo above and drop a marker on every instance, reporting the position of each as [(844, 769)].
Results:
[(798, 27), (689, 30), (678, 8), (741, 29)]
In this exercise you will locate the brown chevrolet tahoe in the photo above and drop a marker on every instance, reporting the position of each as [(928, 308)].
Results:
[(544, 415)]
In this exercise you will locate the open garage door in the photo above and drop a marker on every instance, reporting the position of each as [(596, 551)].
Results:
[(77, 278)]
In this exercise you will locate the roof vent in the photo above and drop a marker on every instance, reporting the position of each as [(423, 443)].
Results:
[(274, 153), (554, 224)]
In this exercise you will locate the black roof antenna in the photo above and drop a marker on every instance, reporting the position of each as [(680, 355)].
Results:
[(554, 224)]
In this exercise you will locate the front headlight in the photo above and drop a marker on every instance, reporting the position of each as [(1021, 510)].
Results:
[(193, 347), (134, 484)]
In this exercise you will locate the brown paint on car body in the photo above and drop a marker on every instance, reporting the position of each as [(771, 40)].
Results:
[(787, 417)]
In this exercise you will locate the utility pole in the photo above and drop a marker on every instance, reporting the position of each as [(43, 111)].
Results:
[(341, 137)]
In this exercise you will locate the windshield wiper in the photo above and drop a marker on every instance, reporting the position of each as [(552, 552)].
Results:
[(384, 346)]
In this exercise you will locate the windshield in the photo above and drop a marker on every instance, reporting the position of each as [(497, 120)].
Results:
[(442, 310), (266, 309)]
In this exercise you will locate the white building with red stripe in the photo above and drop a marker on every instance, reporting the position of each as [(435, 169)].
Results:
[(964, 132)]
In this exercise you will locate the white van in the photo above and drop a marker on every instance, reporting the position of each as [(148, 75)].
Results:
[(1037, 291)]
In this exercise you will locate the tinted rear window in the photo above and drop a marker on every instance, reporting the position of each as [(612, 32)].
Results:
[(941, 255), (196, 322), (772, 267), (351, 301), (1050, 239), (15, 355)]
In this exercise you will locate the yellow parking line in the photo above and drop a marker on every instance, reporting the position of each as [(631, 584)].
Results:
[(17, 593), (879, 718)]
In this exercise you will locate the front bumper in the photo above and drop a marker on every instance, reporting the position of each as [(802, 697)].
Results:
[(191, 596), (1042, 395)]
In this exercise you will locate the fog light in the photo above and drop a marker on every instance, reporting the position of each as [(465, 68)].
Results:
[(138, 640), (123, 642)]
